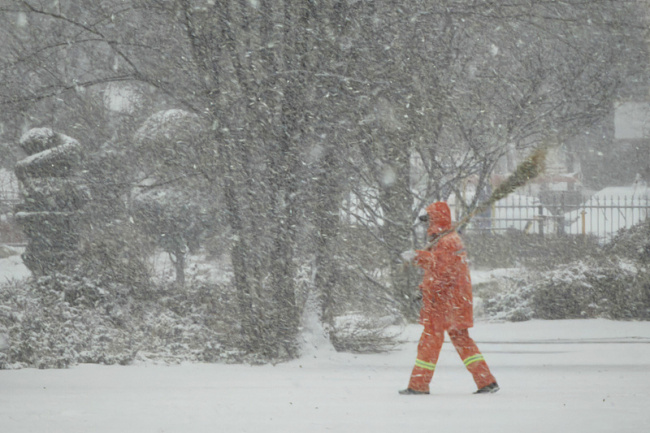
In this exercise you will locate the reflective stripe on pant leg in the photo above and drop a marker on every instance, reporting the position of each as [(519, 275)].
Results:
[(426, 365), (428, 352), (473, 359)]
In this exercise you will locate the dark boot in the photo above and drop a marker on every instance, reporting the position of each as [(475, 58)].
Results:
[(409, 391), (488, 389)]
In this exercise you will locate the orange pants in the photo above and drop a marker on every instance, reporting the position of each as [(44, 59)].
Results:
[(429, 351)]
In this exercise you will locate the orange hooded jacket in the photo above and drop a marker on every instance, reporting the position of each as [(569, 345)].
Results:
[(446, 286)]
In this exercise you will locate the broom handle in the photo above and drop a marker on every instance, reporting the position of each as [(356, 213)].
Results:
[(535, 161), (454, 228)]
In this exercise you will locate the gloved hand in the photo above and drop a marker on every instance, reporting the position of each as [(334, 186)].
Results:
[(408, 256), (425, 259)]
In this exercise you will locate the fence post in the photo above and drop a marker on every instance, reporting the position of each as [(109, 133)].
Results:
[(559, 220), (584, 222), (541, 219)]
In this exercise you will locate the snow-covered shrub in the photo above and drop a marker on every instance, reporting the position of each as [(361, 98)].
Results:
[(168, 145), (59, 161), (611, 281), (507, 298), (612, 288), (46, 331), (589, 288), (113, 252), (57, 321), (359, 333), (364, 315), (53, 196), (633, 243), (38, 140)]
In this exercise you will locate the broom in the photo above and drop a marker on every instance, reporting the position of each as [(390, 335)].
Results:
[(529, 169)]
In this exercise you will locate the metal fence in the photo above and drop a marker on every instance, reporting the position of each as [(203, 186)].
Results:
[(599, 216)]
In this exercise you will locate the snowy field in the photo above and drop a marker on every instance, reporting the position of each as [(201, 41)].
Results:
[(562, 376), (556, 376)]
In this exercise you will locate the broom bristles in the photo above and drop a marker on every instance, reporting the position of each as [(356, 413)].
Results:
[(527, 170)]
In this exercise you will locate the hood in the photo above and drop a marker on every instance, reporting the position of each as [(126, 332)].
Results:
[(439, 217)]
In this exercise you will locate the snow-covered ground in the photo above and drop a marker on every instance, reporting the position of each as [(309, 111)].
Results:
[(12, 267), (556, 376), (562, 376)]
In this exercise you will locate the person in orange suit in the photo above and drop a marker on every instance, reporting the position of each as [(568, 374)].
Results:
[(446, 306)]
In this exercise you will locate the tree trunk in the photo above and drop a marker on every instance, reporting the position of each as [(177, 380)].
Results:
[(397, 205), (246, 285), (326, 221), (285, 321)]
